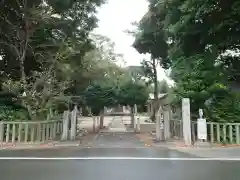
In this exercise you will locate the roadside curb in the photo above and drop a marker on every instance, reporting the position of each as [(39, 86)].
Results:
[(48, 145), (178, 145), (37, 146)]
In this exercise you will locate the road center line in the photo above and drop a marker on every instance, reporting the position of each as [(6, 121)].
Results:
[(119, 158)]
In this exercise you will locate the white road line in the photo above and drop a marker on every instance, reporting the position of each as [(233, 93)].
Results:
[(119, 158)]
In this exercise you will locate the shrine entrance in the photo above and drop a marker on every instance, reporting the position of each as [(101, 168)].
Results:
[(173, 123), (120, 119)]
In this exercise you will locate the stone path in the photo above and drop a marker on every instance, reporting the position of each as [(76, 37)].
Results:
[(117, 125)]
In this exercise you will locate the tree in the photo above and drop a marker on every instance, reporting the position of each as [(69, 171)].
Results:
[(151, 39), (163, 87), (95, 65), (52, 36), (131, 93), (99, 96), (46, 25), (117, 87), (137, 73), (198, 36)]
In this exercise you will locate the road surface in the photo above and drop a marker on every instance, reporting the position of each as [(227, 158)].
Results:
[(103, 164)]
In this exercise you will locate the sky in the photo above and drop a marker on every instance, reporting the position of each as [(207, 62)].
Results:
[(115, 17)]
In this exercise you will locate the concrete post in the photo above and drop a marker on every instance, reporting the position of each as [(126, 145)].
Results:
[(162, 136), (89, 111), (158, 119), (105, 110), (138, 124), (186, 121), (124, 109), (159, 125), (148, 109), (166, 117), (132, 118), (1, 133), (101, 125), (94, 124), (64, 136), (135, 124), (135, 109), (80, 111), (73, 124), (98, 121)]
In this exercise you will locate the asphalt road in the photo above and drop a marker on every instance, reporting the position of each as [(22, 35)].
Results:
[(108, 168)]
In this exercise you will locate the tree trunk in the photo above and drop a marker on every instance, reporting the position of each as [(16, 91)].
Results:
[(101, 119), (22, 58), (155, 82), (132, 117)]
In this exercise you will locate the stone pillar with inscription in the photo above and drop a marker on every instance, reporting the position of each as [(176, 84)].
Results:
[(160, 125), (158, 119), (73, 131), (64, 135), (186, 119), (166, 116)]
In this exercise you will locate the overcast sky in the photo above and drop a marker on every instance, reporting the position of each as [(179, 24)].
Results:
[(115, 17)]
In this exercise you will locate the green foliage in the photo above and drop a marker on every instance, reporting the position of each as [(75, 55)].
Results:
[(197, 34), (136, 72), (11, 108), (131, 93), (200, 80), (151, 37), (225, 108), (8, 113), (99, 96), (43, 47), (111, 92), (189, 28)]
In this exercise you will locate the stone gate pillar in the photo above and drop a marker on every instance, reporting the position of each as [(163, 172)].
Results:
[(73, 131), (166, 116), (159, 125), (186, 119), (64, 136)]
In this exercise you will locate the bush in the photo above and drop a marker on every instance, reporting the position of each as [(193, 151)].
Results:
[(11, 108), (10, 114), (225, 109)]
